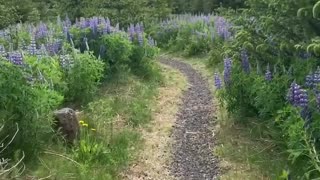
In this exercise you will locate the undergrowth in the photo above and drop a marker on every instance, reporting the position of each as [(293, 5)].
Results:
[(109, 137), (245, 151)]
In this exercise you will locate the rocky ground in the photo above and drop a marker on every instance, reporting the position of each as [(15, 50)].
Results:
[(193, 142)]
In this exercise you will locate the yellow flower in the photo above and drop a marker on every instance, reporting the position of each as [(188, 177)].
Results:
[(81, 122), (85, 125), (92, 129)]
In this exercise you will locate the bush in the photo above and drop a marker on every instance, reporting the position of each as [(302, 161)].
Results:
[(28, 101), (84, 77), (118, 52)]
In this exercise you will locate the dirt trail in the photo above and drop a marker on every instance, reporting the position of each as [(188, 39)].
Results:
[(192, 151), (179, 143)]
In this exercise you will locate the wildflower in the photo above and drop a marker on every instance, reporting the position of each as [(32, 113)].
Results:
[(316, 76), (297, 96), (140, 38), (222, 28), (310, 80), (268, 75), (41, 31), (245, 61), (217, 81), (227, 70), (81, 122), (33, 46), (85, 125), (92, 129), (16, 58), (2, 51)]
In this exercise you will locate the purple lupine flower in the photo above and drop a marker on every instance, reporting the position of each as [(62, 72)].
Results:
[(316, 76), (297, 96), (151, 41), (141, 27), (310, 80), (268, 74), (41, 31), (222, 28), (83, 23), (2, 51), (227, 70), (217, 81), (101, 20), (67, 21), (107, 26), (245, 61), (137, 28), (131, 32), (140, 38), (93, 24), (15, 58), (206, 19), (54, 47), (66, 62), (42, 51), (33, 46)]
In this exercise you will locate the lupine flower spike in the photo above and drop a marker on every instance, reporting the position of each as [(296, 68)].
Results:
[(297, 96), (227, 70), (245, 61), (217, 81), (268, 75)]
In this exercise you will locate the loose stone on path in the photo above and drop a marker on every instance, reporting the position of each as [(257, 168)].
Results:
[(193, 142)]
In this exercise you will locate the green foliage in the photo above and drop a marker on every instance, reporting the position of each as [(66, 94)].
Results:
[(28, 105), (275, 33), (316, 10), (194, 35), (119, 50), (299, 137), (203, 6), (84, 77)]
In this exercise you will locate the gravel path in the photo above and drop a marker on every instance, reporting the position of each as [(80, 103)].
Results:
[(192, 156)]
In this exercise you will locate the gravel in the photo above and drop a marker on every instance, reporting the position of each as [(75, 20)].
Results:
[(193, 141)]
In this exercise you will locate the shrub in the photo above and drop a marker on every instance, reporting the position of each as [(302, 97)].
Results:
[(118, 51), (84, 77), (29, 102)]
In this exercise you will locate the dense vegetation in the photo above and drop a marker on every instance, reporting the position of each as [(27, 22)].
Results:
[(264, 53), (268, 53), (52, 64), (122, 11)]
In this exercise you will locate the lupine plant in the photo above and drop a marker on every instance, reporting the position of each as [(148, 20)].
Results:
[(47, 64)]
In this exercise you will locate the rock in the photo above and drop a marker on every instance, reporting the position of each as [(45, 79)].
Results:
[(68, 124)]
